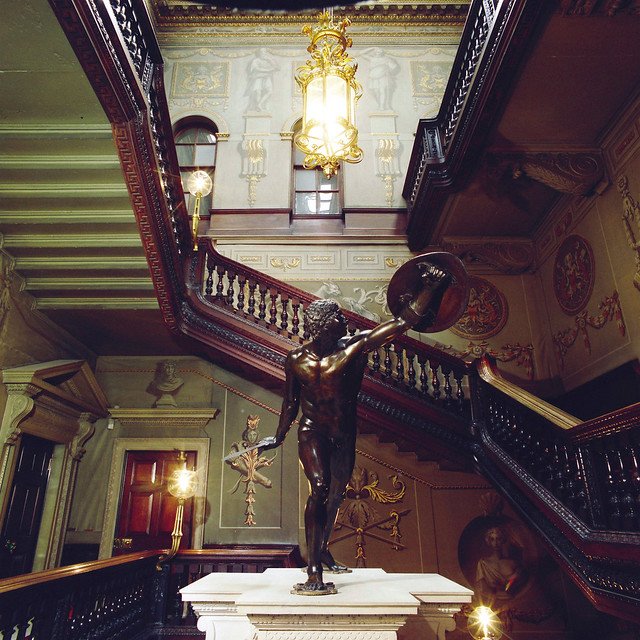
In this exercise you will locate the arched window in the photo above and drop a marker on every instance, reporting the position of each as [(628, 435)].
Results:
[(314, 195), (196, 145)]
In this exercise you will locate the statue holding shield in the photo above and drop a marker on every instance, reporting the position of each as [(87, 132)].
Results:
[(323, 378)]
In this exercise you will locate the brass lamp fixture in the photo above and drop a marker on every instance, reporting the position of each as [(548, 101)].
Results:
[(329, 95), (484, 624), (182, 484), (199, 186)]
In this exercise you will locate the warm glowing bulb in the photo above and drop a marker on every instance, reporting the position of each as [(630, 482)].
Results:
[(183, 483), (484, 624), (199, 184)]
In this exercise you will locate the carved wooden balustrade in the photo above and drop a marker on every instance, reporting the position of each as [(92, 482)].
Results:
[(448, 147), (102, 600), (411, 366), (577, 483), (583, 477)]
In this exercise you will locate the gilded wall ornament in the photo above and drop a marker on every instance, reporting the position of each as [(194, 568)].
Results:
[(248, 465), (387, 166), (361, 519), (573, 274), (253, 165), (610, 309), (429, 80), (631, 221), (486, 313), (200, 84)]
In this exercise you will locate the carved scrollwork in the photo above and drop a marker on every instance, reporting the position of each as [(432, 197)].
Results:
[(573, 173), (511, 257)]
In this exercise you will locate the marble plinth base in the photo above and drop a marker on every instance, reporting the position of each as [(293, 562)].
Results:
[(370, 605)]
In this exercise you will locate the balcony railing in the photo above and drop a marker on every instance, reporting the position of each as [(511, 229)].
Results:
[(577, 483)]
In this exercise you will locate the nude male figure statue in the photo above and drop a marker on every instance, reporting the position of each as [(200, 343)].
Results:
[(323, 378)]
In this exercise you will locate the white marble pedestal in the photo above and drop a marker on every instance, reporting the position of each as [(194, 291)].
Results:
[(370, 605)]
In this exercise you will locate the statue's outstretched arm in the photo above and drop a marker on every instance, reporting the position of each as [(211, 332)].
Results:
[(289, 409)]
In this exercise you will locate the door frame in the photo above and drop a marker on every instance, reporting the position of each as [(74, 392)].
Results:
[(120, 448)]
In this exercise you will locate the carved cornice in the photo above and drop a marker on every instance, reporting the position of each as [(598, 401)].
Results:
[(505, 256), (179, 418), (178, 14)]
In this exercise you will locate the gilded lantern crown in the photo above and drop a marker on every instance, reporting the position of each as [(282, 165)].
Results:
[(330, 92)]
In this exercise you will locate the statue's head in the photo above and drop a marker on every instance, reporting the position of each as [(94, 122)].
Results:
[(495, 537), (318, 314)]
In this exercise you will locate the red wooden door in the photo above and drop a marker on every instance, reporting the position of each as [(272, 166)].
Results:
[(26, 500), (147, 509)]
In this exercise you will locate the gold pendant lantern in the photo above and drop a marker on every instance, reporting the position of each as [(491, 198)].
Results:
[(329, 95)]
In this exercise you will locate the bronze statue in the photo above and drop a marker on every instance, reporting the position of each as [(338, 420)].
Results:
[(323, 378)]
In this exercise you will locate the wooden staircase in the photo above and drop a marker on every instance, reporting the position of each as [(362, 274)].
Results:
[(576, 483)]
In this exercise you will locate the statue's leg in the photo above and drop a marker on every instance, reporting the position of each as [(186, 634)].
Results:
[(343, 458), (314, 453)]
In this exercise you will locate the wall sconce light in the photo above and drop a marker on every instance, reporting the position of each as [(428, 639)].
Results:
[(329, 95), (484, 624), (199, 186), (182, 484)]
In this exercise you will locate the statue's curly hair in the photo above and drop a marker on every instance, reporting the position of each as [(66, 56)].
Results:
[(317, 314)]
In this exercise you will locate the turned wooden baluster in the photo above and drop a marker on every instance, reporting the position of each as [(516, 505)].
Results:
[(611, 487), (220, 285), (387, 361), (251, 304), (458, 377), (273, 311), (411, 372), (231, 278), (284, 316), (399, 362), (241, 283), (447, 387), (262, 307), (208, 288), (375, 360), (424, 377), (634, 480), (435, 381), (295, 320)]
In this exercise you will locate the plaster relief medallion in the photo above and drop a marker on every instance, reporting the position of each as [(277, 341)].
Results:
[(486, 313), (573, 274)]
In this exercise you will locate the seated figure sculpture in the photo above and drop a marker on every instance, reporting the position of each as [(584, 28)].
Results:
[(323, 379)]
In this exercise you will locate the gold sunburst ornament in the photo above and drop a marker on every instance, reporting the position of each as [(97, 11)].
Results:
[(329, 96)]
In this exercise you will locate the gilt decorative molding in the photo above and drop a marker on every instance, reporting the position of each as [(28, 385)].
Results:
[(610, 309), (631, 221)]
